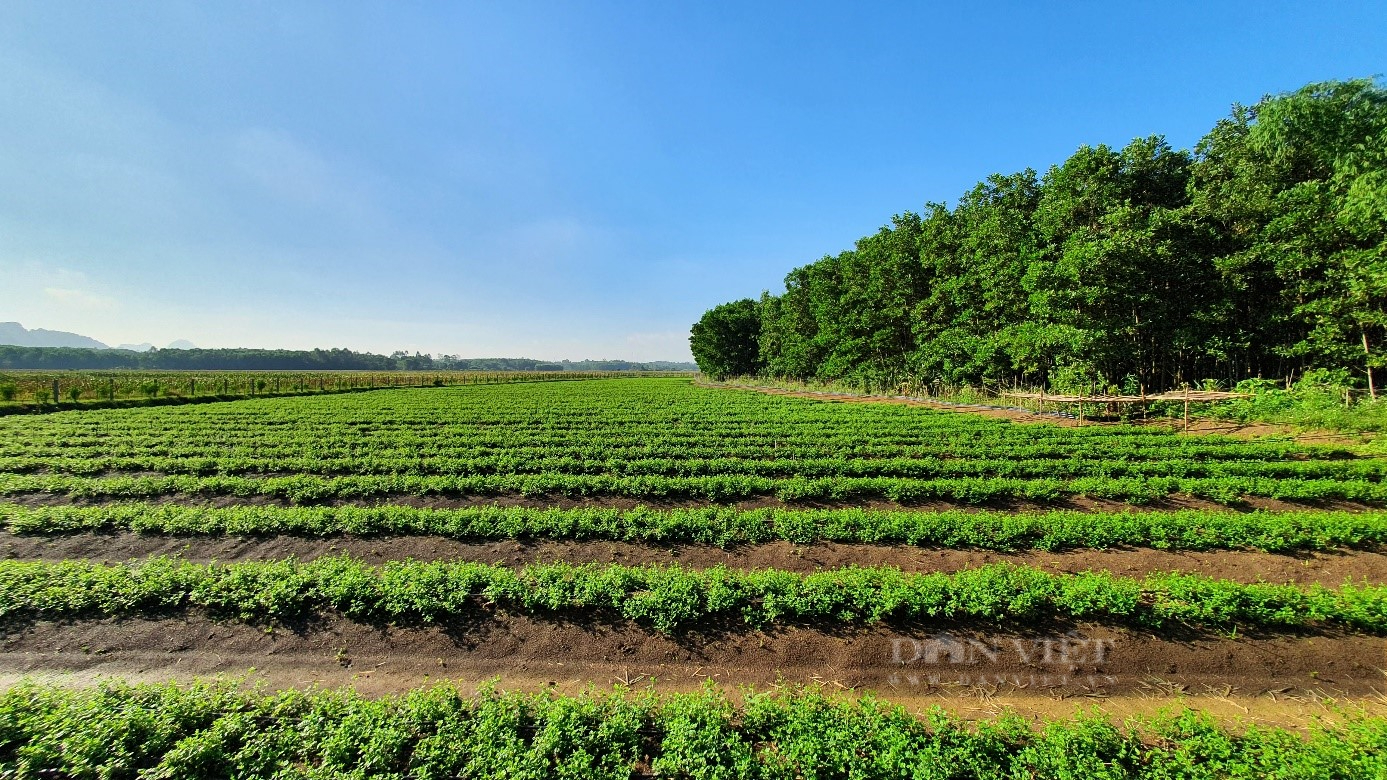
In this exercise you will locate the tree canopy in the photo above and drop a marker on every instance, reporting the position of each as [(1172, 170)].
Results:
[(725, 341), (1260, 253)]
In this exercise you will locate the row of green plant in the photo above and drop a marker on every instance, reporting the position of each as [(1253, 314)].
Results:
[(546, 463), (668, 598), (309, 488), (231, 445), (1272, 531), (217, 730)]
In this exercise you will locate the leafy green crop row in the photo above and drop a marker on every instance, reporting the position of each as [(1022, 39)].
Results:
[(1052, 530), (1100, 464), (309, 488), (225, 443), (668, 598), (218, 731)]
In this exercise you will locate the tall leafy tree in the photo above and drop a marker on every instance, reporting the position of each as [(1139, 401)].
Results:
[(978, 257), (1112, 248), (725, 341), (1327, 236)]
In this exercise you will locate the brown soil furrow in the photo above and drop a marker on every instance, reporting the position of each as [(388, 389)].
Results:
[(1326, 568), (1085, 665)]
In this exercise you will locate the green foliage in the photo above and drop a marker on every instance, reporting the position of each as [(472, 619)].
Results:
[(216, 730), (1316, 402), (725, 341), (667, 598), (1271, 531), (1259, 253)]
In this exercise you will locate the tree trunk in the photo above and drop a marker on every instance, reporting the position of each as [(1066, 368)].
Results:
[(1368, 360)]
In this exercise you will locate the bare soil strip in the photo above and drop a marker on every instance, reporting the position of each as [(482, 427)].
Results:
[(1326, 568), (1280, 679)]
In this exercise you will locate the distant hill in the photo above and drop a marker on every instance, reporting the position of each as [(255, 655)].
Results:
[(17, 335)]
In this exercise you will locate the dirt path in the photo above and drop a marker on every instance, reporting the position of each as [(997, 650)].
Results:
[(1016, 414), (972, 672), (1328, 568)]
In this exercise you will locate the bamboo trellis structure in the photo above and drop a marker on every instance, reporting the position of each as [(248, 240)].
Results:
[(1187, 396)]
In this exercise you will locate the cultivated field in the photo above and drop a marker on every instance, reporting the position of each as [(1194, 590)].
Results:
[(685, 541), (41, 391)]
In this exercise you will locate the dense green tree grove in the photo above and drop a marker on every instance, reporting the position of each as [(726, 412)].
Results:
[(1261, 253)]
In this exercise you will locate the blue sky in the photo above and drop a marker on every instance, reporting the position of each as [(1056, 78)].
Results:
[(554, 180)]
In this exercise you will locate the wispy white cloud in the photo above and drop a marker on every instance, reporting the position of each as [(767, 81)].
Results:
[(81, 299), (295, 174)]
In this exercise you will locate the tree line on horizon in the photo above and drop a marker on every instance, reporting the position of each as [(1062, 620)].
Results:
[(1261, 253), (84, 359)]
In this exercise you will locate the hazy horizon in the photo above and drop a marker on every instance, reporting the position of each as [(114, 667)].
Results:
[(184, 344), (551, 180)]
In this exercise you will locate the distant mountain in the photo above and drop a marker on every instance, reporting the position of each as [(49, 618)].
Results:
[(17, 335)]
